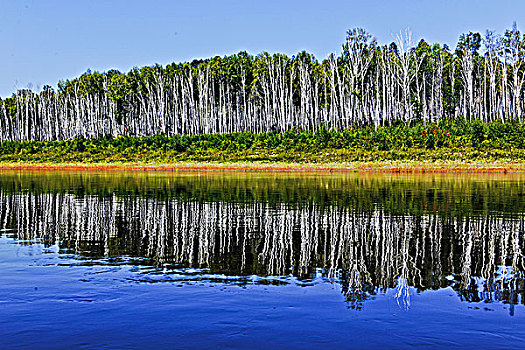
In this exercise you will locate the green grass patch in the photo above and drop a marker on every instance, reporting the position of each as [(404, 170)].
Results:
[(455, 140)]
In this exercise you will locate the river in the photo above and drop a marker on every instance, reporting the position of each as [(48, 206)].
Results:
[(194, 259)]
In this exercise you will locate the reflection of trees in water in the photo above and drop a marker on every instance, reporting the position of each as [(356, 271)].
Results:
[(365, 251)]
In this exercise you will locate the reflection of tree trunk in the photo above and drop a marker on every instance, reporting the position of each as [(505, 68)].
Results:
[(359, 248)]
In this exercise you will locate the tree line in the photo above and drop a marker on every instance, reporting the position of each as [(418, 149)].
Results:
[(365, 85)]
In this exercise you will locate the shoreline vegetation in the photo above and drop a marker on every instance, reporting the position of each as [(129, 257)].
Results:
[(448, 146)]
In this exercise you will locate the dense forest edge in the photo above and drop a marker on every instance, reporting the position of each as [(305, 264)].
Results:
[(396, 102)]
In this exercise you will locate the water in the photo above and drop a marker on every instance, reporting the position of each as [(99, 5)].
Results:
[(233, 260)]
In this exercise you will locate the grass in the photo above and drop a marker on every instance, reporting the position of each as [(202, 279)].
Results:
[(449, 142)]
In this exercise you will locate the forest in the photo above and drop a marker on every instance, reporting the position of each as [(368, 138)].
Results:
[(399, 96)]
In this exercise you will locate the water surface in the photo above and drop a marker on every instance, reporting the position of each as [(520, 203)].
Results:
[(237, 260)]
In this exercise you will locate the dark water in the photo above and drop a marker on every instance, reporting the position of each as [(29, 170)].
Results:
[(216, 260)]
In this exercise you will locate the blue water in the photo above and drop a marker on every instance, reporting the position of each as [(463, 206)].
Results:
[(64, 287)]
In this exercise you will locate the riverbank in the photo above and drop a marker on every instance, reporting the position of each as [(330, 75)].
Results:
[(448, 146), (386, 167)]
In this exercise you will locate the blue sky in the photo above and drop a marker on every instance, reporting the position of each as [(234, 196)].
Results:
[(42, 42)]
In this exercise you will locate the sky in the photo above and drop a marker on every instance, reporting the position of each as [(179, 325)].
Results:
[(42, 42)]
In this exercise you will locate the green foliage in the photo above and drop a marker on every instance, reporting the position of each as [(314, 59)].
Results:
[(469, 42), (447, 140)]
